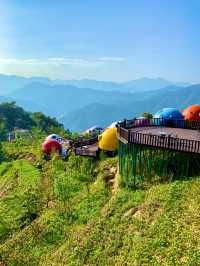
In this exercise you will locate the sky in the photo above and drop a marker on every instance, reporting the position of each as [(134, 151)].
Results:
[(99, 39)]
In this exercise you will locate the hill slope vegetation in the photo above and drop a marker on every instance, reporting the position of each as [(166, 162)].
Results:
[(76, 213)]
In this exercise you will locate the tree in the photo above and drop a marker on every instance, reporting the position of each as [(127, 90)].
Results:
[(15, 116), (147, 115), (47, 123), (3, 130)]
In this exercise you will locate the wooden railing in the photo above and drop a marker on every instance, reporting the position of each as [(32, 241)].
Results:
[(85, 142), (86, 152), (80, 147), (123, 133), (167, 142), (177, 144), (162, 122)]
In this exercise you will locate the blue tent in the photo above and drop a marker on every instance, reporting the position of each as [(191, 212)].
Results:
[(169, 116)]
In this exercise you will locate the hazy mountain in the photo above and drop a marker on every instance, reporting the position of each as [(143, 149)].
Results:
[(10, 83), (104, 114), (79, 107), (98, 85), (147, 84), (61, 99), (138, 85)]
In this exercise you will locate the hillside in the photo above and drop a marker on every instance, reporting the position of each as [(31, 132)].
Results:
[(13, 117), (76, 213)]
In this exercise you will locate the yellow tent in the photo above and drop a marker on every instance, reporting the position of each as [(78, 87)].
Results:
[(108, 140)]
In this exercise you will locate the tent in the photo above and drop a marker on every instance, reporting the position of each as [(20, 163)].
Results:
[(108, 140), (113, 124), (169, 117), (53, 136), (94, 129), (169, 114), (192, 112), (51, 145)]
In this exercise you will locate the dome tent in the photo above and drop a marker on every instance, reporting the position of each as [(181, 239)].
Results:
[(108, 140), (53, 136), (113, 124), (94, 129), (192, 112), (51, 145), (169, 117)]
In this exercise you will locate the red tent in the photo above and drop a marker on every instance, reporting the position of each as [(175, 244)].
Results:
[(50, 146), (192, 112)]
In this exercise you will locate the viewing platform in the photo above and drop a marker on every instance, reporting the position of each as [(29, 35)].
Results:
[(177, 135)]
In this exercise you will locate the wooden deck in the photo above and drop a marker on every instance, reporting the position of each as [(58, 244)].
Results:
[(89, 150), (177, 139), (180, 133)]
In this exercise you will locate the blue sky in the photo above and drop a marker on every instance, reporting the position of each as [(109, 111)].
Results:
[(99, 39)]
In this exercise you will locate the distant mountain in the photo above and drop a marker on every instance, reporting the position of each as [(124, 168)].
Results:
[(149, 84), (80, 107), (62, 99), (104, 114), (144, 84), (90, 114), (97, 85), (11, 83), (138, 85)]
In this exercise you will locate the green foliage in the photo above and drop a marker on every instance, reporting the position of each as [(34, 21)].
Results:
[(14, 116), (147, 115), (46, 123), (66, 213), (65, 188), (3, 130)]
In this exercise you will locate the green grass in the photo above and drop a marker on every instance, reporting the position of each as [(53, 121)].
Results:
[(67, 213)]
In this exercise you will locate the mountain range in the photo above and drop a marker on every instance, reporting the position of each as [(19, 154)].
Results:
[(10, 83), (79, 104)]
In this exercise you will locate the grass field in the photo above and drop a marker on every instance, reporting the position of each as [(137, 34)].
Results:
[(75, 212)]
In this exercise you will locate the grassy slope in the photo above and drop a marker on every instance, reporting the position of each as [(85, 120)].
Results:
[(66, 213)]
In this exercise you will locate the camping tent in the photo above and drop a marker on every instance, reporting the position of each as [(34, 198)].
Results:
[(93, 130), (51, 145), (108, 140), (192, 112), (54, 137), (169, 117)]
